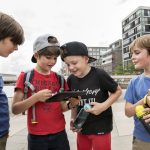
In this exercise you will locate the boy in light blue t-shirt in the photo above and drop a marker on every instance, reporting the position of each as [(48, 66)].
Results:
[(137, 89)]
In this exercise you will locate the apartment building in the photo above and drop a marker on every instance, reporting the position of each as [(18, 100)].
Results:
[(96, 52), (112, 57), (136, 24)]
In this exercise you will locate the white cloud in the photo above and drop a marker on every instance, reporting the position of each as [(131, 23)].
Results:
[(94, 22)]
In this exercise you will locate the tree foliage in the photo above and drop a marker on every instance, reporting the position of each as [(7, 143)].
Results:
[(119, 70)]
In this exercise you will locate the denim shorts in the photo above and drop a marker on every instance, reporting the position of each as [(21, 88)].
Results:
[(58, 141)]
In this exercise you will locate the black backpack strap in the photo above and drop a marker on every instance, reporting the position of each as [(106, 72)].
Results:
[(61, 82)]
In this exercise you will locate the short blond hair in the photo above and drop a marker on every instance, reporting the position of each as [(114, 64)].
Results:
[(141, 42)]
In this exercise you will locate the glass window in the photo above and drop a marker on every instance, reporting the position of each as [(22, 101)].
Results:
[(147, 28), (145, 12), (139, 28), (138, 35), (131, 17), (147, 20), (127, 27), (131, 32)]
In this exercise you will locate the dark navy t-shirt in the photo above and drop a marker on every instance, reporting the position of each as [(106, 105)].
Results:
[(4, 111)]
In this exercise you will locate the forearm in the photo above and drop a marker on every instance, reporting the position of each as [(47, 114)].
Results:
[(113, 97), (21, 106), (73, 113), (64, 106), (130, 108)]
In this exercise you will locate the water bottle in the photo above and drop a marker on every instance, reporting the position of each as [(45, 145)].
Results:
[(140, 113), (81, 117)]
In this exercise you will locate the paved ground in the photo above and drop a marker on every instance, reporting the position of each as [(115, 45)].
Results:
[(121, 134)]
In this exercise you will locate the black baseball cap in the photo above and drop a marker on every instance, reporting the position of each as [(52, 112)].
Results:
[(75, 49)]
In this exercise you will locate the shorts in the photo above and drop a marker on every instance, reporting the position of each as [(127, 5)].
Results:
[(94, 142), (140, 145), (57, 141)]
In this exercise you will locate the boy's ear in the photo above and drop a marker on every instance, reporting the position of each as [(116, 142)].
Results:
[(36, 55), (87, 59)]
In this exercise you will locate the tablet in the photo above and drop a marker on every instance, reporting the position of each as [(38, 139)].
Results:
[(65, 95)]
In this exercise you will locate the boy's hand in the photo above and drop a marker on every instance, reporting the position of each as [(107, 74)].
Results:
[(43, 95), (148, 98), (73, 128), (74, 101), (97, 108), (147, 117)]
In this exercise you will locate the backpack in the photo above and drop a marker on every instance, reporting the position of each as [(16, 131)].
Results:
[(27, 84)]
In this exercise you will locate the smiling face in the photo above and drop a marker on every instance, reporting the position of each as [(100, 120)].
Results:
[(140, 58), (7, 47), (77, 65), (45, 63)]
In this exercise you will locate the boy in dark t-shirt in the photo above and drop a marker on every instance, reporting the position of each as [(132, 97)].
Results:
[(101, 92)]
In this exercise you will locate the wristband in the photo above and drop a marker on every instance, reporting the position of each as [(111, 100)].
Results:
[(68, 105)]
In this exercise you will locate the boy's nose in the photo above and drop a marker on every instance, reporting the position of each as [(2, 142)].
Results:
[(16, 47), (53, 61), (132, 55), (70, 67)]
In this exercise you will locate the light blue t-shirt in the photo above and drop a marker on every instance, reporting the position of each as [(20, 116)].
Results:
[(136, 90)]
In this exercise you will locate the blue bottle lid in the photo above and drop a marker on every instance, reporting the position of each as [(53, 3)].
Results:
[(87, 106)]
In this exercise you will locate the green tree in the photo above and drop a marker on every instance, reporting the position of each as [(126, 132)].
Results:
[(132, 71), (119, 70)]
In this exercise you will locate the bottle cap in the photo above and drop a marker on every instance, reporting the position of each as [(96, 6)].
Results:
[(87, 106), (139, 111)]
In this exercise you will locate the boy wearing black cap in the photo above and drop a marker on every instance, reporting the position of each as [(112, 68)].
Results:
[(47, 130), (101, 92), (11, 35)]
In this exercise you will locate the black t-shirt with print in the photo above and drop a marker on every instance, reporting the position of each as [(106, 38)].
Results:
[(97, 84)]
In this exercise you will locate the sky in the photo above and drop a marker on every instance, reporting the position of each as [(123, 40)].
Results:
[(93, 22)]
